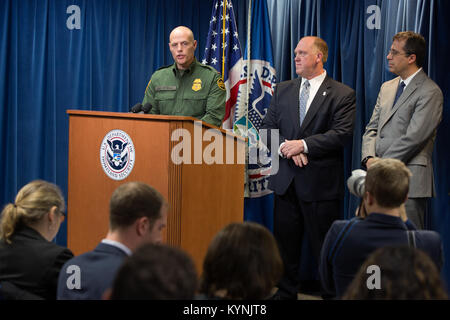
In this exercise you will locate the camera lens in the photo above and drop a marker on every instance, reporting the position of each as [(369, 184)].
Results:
[(356, 182)]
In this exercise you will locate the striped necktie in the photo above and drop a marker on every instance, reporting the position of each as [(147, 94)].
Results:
[(304, 95)]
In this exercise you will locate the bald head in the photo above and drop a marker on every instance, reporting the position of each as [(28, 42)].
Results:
[(182, 46), (183, 31)]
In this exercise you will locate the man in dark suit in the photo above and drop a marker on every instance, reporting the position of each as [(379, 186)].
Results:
[(138, 214), (349, 243), (405, 119), (313, 116)]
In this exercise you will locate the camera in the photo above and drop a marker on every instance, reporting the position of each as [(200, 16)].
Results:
[(356, 182)]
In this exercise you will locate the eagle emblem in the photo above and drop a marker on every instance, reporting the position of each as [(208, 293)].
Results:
[(197, 85), (117, 154)]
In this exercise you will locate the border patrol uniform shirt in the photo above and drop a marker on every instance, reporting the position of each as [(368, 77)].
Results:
[(197, 92)]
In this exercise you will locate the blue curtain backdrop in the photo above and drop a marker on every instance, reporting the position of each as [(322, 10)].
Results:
[(46, 68)]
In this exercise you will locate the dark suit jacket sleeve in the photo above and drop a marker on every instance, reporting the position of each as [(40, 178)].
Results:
[(341, 129), (325, 268), (270, 122), (51, 277)]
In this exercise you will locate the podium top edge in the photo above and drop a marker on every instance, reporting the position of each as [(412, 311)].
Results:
[(128, 115)]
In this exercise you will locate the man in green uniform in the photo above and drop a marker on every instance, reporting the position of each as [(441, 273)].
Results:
[(186, 88)]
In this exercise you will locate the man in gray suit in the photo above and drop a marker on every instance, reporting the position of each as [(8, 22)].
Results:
[(405, 119)]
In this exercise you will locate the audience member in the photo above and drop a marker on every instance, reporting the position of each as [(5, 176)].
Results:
[(349, 243), (405, 274), (138, 214), (156, 272), (242, 262), (29, 261)]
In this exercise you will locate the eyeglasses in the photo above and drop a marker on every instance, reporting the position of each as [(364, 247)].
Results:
[(394, 53)]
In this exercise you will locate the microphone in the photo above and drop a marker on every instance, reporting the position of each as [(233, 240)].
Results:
[(136, 108), (147, 107)]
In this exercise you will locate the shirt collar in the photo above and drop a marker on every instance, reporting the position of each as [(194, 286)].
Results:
[(191, 68), (316, 80), (409, 79), (117, 244)]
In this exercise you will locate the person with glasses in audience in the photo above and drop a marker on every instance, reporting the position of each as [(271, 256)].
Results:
[(29, 261)]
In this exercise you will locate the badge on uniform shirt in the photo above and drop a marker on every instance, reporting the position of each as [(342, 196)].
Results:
[(197, 84), (220, 84)]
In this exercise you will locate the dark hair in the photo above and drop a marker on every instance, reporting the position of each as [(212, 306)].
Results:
[(32, 202), (414, 44), (133, 200), (156, 272), (243, 260), (406, 273), (388, 181)]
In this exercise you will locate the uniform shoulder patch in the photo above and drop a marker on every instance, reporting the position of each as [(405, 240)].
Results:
[(220, 84)]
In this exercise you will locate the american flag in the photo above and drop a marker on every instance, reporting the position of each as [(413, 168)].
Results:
[(250, 81), (223, 52)]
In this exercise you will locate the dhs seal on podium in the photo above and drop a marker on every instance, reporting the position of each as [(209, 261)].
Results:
[(117, 154)]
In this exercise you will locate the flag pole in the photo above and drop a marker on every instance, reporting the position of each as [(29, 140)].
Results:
[(249, 27), (224, 15)]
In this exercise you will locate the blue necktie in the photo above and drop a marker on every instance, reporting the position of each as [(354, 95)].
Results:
[(304, 95), (400, 88)]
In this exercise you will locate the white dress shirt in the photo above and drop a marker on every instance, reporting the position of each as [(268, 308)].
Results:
[(315, 84), (119, 245), (409, 79)]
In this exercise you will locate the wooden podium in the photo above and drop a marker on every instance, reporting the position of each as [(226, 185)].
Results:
[(202, 197)]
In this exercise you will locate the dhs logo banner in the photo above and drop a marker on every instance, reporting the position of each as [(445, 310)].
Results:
[(117, 154), (262, 83), (253, 101)]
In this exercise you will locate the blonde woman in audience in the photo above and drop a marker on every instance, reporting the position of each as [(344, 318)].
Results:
[(29, 261)]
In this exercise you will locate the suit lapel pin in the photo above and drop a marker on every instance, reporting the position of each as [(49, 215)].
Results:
[(324, 93)]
